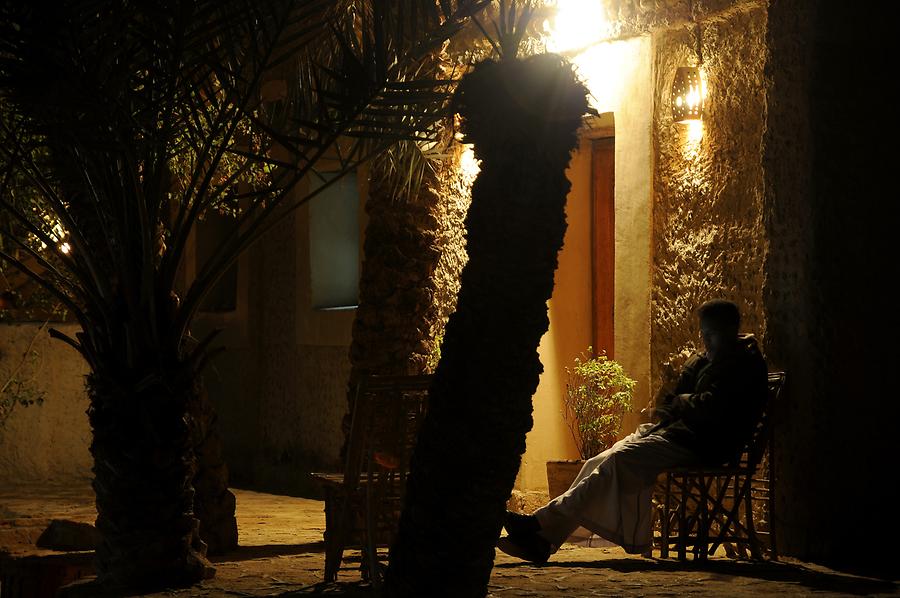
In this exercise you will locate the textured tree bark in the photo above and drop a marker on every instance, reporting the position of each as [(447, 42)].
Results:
[(392, 332), (214, 503), (144, 463), (414, 252), (523, 117)]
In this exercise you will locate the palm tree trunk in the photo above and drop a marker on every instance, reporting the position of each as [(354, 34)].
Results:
[(144, 462), (522, 117), (414, 251), (214, 503), (398, 319)]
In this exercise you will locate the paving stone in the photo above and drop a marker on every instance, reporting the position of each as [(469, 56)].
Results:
[(281, 553)]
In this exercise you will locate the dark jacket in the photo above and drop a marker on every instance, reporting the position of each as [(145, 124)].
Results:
[(718, 403)]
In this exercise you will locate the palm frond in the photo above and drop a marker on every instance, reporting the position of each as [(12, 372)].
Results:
[(151, 114)]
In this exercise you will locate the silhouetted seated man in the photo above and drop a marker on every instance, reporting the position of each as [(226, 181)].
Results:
[(707, 419)]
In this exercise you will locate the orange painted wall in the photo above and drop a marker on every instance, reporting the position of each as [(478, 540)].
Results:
[(629, 99)]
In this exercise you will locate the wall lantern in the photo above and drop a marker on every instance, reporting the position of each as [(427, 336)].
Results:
[(687, 89), (687, 95)]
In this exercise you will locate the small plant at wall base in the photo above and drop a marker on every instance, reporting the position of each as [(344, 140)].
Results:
[(598, 394)]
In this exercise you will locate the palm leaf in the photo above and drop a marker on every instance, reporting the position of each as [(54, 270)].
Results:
[(151, 115)]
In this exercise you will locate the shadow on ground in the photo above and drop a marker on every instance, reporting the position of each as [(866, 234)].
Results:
[(767, 571), (343, 589), (265, 551)]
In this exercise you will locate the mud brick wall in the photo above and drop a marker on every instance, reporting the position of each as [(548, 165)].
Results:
[(709, 238)]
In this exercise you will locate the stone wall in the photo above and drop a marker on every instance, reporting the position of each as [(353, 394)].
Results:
[(783, 207), (709, 237), (46, 438), (279, 386), (789, 293), (831, 186)]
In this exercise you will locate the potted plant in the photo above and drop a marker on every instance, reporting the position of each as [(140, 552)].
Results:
[(598, 394)]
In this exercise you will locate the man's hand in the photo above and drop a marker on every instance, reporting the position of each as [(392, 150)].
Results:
[(663, 411)]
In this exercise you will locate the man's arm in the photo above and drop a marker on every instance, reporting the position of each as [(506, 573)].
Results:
[(667, 406), (687, 381), (730, 400)]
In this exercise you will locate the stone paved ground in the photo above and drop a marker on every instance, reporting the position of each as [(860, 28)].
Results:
[(281, 554)]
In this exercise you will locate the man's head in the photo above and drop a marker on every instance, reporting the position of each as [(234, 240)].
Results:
[(719, 324)]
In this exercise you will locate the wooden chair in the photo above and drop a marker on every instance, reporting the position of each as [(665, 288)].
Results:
[(362, 504), (705, 507)]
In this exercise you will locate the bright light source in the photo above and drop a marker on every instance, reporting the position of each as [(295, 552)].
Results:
[(65, 248), (577, 30), (688, 93), (577, 25), (603, 68)]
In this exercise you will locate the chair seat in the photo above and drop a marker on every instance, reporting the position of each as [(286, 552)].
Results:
[(328, 479), (335, 482)]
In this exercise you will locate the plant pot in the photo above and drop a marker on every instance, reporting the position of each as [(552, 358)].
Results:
[(561, 474)]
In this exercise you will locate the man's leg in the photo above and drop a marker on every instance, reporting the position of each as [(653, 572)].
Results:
[(555, 524), (613, 500)]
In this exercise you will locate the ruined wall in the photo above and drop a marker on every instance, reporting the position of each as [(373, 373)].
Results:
[(709, 238), (47, 438)]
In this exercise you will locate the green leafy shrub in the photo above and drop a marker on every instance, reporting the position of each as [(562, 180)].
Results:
[(598, 394)]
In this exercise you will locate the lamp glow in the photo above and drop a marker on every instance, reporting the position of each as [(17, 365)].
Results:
[(469, 165), (688, 93), (576, 25)]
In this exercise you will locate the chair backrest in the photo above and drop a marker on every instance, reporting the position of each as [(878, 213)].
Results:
[(760, 439), (385, 418)]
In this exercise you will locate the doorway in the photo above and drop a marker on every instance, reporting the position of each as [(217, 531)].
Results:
[(603, 244)]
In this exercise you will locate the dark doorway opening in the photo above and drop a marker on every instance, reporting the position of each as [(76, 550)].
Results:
[(603, 244)]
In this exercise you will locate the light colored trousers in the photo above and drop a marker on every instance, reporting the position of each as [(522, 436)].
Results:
[(611, 494)]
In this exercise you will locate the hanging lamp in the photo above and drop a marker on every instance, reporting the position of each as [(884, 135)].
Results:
[(687, 89), (687, 95)]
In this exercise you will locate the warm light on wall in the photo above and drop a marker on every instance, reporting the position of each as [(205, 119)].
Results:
[(469, 166), (691, 141), (688, 94), (694, 131)]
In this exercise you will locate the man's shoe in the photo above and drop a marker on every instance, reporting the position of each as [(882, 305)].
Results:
[(517, 524), (528, 547)]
